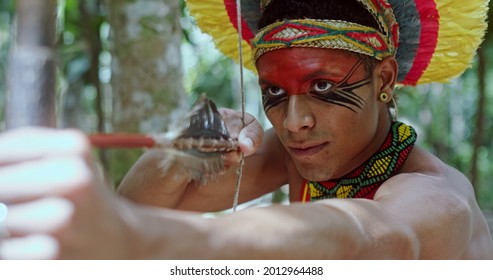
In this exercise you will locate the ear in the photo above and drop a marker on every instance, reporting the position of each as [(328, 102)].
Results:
[(385, 73)]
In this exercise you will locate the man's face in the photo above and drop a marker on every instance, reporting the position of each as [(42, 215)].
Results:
[(323, 106)]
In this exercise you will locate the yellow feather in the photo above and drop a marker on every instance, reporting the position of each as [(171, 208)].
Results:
[(216, 22), (461, 31)]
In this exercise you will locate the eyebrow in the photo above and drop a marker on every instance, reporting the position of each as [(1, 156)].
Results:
[(307, 78), (264, 81), (267, 82), (319, 73)]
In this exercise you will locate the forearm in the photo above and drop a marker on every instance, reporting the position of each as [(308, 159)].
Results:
[(287, 232), (148, 183), (165, 234), (277, 232)]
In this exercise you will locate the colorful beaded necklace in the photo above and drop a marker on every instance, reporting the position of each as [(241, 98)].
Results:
[(365, 180)]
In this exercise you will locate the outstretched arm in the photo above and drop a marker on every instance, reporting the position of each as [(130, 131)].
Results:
[(427, 213), (58, 206), (398, 225)]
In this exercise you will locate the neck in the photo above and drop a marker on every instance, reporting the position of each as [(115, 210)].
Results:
[(383, 128), (365, 180), (381, 133)]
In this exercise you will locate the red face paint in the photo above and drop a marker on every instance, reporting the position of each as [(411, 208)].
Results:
[(321, 110), (313, 77)]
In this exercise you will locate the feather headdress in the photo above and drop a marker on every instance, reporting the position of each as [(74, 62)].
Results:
[(437, 38)]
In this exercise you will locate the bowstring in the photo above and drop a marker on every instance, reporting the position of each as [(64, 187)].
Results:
[(242, 92)]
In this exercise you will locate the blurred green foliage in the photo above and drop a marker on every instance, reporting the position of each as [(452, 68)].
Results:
[(6, 12)]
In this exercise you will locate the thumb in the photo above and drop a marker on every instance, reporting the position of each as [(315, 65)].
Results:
[(250, 137)]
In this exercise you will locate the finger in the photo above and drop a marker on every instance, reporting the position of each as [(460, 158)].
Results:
[(41, 178), (42, 216), (35, 247), (231, 158), (32, 143), (233, 121), (250, 137)]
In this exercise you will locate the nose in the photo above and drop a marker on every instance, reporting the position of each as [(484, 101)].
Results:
[(299, 115)]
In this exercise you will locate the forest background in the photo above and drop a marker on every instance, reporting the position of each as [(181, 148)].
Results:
[(136, 65)]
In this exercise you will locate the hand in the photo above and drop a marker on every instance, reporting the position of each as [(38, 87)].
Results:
[(57, 206), (249, 137), (146, 183)]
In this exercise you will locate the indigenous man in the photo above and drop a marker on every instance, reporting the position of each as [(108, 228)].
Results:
[(327, 70)]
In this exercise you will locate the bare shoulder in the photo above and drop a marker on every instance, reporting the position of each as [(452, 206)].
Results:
[(427, 174), (438, 203)]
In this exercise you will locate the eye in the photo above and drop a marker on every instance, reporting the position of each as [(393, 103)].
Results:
[(274, 91), (322, 86)]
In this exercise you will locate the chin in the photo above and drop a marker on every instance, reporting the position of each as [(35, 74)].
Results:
[(315, 174)]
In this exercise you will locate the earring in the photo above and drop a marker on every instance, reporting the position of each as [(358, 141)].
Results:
[(384, 97)]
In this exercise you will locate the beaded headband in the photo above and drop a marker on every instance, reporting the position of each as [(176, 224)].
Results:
[(435, 39), (328, 34)]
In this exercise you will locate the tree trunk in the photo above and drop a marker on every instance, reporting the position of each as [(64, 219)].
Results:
[(478, 140), (31, 78), (146, 69)]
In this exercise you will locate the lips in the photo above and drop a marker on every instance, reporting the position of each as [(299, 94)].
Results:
[(307, 150)]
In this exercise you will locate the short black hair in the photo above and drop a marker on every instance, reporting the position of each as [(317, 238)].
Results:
[(347, 10)]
